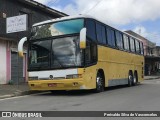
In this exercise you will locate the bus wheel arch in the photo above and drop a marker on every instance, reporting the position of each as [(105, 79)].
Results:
[(100, 81)]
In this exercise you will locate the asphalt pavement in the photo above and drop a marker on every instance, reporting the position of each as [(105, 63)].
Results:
[(7, 91), (143, 97)]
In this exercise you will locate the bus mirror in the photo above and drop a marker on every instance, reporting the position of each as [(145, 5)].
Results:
[(20, 46), (83, 38)]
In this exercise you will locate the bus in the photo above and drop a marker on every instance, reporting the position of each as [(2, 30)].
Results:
[(81, 53)]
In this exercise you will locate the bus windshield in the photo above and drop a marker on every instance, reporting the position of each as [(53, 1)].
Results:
[(57, 28), (55, 53)]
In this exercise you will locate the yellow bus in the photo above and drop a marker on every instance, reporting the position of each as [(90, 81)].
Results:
[(81, 53)]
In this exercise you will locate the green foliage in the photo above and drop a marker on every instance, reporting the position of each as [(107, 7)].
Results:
[(10, 82)]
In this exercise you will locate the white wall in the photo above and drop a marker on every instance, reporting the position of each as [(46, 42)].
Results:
[(2, 62)]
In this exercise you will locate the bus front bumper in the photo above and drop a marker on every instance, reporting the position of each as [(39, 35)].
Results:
[(66, 84)]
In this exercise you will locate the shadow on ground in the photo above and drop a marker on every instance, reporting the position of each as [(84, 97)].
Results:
[(83, 92)]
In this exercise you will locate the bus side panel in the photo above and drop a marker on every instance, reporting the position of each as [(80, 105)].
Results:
[(89, 77), (116, 65)]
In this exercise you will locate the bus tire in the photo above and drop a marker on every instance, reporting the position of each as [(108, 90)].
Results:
[(130, 79), (135, 78), (99, 82)]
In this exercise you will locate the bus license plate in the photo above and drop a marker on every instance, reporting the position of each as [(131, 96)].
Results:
[(52, 85)]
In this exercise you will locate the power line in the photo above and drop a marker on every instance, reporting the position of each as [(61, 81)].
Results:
[(52, 2), (93, 7)]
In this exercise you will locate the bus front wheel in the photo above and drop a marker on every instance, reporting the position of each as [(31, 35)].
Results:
[(99, 83)]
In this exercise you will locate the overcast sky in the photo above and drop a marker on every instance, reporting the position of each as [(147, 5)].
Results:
[(141, 16)]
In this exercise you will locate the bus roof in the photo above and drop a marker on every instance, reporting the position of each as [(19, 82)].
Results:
[(80, 16), (63, 18)]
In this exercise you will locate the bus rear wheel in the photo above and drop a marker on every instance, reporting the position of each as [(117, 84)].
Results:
[(130, 79), (135, 79), (99, 83)]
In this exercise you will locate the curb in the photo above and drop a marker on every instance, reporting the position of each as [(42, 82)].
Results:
[(6, 96), (19, 94), (152, 78)]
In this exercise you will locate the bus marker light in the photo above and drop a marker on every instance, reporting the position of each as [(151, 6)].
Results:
[(75, 84)]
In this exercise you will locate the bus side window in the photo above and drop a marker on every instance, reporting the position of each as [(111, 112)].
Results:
[(91, 32), (132, 44), (99, 33), (93, 52), (104, 37), (113, 37), (119, 40), (121, 35), (110, 37), (126, 42), (137, 47), (141, 48), (90, 53)]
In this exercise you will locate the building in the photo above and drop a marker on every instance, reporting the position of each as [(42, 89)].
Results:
[(156, 54), (148, 45), (151, 53), (156, 51), (14, 69)]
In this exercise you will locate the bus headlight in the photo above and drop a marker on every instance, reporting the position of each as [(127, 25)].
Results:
[(73, 76)]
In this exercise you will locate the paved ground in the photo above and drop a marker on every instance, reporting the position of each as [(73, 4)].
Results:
[(7, 91), (15, 90), (144, 97), (10, 89), (151, 77)]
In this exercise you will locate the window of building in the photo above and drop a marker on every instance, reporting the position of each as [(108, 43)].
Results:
[(151, 51), (91, 32)]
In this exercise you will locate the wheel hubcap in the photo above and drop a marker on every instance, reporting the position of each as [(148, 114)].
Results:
[(130, 79), (134, 80), (99, 81)]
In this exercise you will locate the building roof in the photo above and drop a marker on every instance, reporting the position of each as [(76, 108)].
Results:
[(43, 7), (135, 34), (141, 37)]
